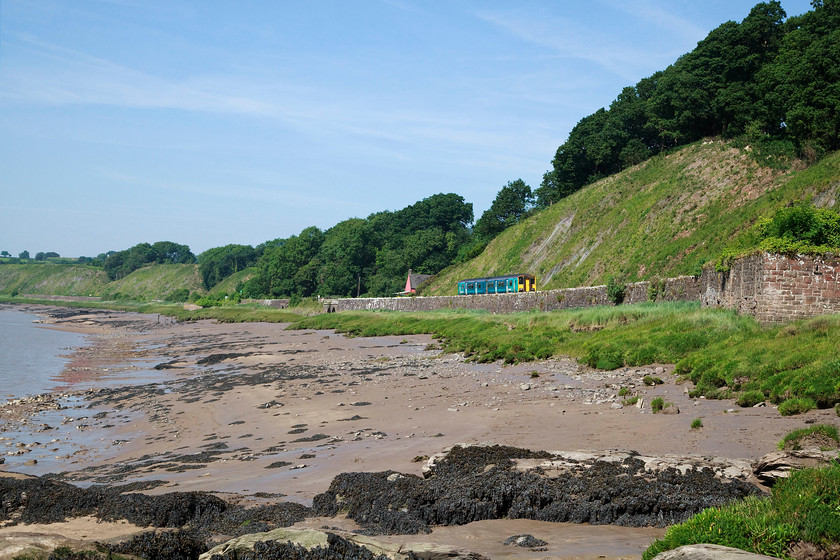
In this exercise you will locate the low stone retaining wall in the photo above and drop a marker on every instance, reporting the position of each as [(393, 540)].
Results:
[(776, 288), (683, 288), (276, 303)]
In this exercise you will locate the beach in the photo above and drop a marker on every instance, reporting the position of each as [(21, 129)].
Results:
[(256, 413)]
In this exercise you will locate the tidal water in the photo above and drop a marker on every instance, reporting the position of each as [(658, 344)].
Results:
[(31, 356)]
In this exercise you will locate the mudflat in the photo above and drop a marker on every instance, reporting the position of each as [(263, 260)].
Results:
[(259, 414)]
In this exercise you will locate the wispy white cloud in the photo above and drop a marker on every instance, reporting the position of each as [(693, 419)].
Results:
[(656, 16), (76, 78), (572, 39)]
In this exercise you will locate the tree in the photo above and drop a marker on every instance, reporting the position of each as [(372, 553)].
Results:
[(511, 204), (23, 255), (218, 263), (40, 256), (5, 254), (51, 255)]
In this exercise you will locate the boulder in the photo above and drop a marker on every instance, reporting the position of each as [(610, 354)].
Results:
[(709, 552), (779, 464)]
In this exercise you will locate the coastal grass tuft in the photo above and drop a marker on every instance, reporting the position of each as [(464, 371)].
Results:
[(801, 509), (697, 423), (825, 432), (657, 404)]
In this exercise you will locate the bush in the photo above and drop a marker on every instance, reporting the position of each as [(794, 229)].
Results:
[(651, 381), (615, 290), (696, 424), (657, 404), (795, 406), (750, 398), (623, 392), (631, 401)]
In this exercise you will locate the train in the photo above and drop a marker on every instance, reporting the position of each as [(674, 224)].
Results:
[(510, 283)]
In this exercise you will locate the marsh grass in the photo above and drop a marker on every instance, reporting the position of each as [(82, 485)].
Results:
[(803, 507)]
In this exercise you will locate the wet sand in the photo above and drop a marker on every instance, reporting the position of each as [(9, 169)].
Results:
[(256, 413)]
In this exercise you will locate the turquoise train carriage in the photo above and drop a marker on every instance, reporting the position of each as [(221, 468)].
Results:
[(511, 283)]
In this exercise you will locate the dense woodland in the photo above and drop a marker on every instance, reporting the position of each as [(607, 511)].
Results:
[(770, 80)]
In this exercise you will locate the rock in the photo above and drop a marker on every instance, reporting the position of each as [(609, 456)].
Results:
[(779, 464), (673, 409), (272, 543), (525, 541), (709, 552), (525, 386), (616, 405)]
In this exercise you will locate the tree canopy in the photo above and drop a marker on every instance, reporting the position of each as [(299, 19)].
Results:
[(122, 263), (772, 78)]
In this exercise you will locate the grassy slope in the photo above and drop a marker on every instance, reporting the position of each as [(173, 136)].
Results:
[(228, 285), (51, 279), (665, 217), (155, 282)]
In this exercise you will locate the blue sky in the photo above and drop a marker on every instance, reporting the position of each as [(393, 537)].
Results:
[(208, 123)]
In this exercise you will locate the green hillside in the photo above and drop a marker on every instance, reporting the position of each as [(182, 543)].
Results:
[(665, 217), (51, 279), (229, 284), (155, 282)]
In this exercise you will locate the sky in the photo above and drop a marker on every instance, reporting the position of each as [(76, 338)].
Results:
[(208, 123)]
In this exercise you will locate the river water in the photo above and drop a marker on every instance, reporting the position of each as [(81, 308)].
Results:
[(31, 356)]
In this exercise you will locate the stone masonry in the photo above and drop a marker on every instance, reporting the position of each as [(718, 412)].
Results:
[(683, 288), (776, 288)]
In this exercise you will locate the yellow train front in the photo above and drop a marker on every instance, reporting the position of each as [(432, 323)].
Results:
[(511, 283)]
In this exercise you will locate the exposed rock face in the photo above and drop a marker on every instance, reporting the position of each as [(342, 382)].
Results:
[(306, 544), (493, 482), (709, 552), (779, 464)]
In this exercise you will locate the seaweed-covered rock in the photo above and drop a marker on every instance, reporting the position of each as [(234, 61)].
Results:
[(309, 544), (525, 541), (164, 545), (479, 483), (39, 500)]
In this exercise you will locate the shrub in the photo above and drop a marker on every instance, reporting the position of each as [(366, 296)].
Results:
[(657, 404), (615, 290), (696, 424), (623, 392), (750, 398), (795, 406), (631, 401), (535, 374), (651, 381)]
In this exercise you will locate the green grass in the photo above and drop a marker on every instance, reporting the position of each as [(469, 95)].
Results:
[(793, 439), (697, 423), (51, 279), (725, 355), (668, 216), (805, 507)]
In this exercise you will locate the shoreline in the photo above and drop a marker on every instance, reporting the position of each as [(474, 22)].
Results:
[(258, 414)]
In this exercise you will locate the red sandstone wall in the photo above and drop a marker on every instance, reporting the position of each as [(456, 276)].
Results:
[(776, 288), (798, 287)]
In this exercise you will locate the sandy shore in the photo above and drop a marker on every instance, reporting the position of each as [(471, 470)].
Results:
[(257, 413)]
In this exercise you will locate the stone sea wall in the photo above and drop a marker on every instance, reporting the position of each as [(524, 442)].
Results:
[(771, 287), (683, 288), (776, 288)]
